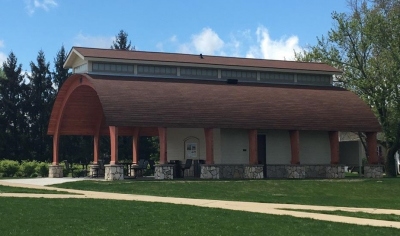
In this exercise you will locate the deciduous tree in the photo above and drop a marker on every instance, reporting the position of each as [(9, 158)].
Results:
[(365, 45)]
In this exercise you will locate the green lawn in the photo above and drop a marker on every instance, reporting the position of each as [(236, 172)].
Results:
[(382, 193), (7, 189), (24, 216), (388, 217)]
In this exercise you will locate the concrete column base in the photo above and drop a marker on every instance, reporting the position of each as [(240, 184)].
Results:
[(373, 171), (164, 171), (209, 172), (94, 170), (254, 172), (55, 171), (114, 172)]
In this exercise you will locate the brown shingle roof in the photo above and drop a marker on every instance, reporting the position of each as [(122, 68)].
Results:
[(207, 60), (129, 101)]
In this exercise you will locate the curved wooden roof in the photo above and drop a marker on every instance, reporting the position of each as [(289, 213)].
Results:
[(144, 102)]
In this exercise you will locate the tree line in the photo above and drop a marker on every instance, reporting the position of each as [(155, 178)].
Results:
[(26, 102)]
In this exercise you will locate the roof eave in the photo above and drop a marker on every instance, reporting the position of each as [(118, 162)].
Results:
[(73, 54)]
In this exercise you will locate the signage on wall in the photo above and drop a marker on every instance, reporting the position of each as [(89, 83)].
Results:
[(191, 150)]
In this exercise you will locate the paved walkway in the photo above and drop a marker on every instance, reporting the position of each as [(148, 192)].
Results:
[(266, 208)]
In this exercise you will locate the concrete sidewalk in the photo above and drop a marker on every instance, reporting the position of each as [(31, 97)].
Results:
[(44, 181), (265, 208)]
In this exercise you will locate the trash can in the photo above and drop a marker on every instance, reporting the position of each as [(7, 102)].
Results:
[(197, 167), (177, 168)]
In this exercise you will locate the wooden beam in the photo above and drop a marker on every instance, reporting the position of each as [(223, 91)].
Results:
[(209, 145)]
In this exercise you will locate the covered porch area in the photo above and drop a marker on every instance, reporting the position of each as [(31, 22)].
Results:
[(235, 130)]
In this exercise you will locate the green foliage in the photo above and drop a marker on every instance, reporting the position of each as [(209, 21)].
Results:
[(121, 41), (9, 168), (42, 169), (41, 97), (60, 74), (365, 45), (13, 107), (28, 168)]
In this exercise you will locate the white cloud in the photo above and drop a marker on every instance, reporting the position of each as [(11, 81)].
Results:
[(243, 43), (206, 42), (173, 39), (32, 5), (267, 48), (160, 46), (93, 41)]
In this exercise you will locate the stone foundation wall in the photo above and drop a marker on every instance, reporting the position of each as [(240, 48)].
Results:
[(165, 171), (209, 172), (310, 171), (231, 171), (315, 171), (218, 171), (295, 172), (55, 171), (114, 172), (335, 172), (276, 171), (254, 172), (373, 171)]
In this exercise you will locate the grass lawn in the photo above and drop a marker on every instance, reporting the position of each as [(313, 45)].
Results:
[(389, 217), (7, 189), (382, 193), (24, 216)]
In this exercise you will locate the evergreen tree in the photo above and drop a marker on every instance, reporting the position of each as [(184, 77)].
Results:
[(13, 109), (60, 74), (121, 41), (41, 99)]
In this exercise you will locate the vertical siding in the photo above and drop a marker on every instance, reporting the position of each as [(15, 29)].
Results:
[(217, 146), (314, 147), (278, 147), (175, 142), (234, 146)]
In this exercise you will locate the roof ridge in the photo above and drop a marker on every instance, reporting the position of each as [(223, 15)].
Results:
[(196, 55)]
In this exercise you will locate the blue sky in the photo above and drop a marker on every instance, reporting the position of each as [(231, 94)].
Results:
[(269, 29)]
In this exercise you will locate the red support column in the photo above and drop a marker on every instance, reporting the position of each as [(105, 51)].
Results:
[(162, 132), (334, 143), (114, 144), (56, 138), (135, 149), (371, 148), (209, 145), (253, 158), (96, 148), (295, 146)]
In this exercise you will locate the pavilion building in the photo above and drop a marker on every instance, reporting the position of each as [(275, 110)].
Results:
[(237, 117)]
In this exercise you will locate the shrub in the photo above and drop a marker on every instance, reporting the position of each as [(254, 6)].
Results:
[(34, 175), (28, 168), (42, 169), (9, 168)]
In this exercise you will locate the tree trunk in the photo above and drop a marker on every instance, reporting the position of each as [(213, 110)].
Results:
[(390, 164)]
